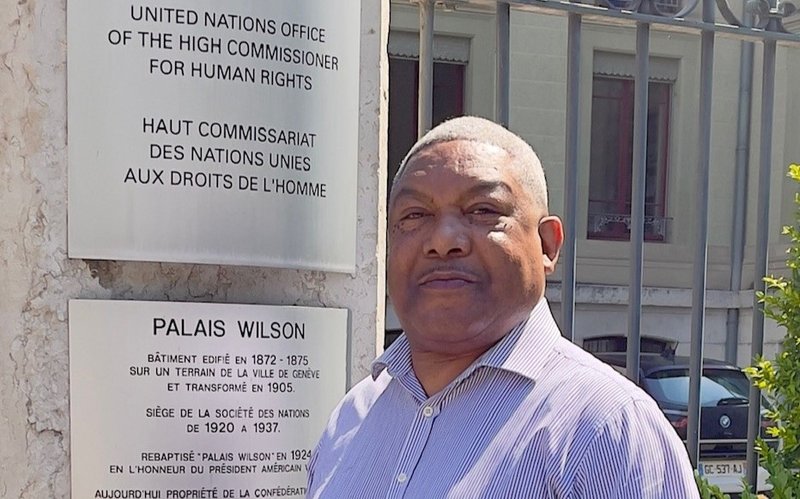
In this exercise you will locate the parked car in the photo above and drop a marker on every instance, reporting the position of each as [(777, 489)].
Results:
[(724, 392)]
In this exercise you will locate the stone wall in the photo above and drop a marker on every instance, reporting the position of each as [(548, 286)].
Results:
[(38, 279)]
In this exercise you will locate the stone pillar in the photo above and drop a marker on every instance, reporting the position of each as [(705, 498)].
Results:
[(37, 278)]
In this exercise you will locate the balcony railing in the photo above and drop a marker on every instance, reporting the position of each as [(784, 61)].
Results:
[(618, 226)]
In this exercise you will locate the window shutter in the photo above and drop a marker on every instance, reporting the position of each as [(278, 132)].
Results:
[(619, 65), (453, 49)]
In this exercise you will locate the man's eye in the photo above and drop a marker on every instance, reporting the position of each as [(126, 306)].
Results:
[(483, 210), (413, 215)]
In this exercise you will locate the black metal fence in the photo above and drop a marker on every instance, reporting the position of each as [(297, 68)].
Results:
[(762, 23)]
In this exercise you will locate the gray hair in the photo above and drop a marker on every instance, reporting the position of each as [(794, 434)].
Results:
[(475, 129)]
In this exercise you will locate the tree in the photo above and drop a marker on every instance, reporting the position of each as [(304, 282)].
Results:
[(779, 379)]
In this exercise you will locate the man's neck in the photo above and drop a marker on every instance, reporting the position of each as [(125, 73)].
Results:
[(437, 366), (435, 370)]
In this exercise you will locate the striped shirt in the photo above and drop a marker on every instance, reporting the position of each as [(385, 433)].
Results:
[(534, 417)]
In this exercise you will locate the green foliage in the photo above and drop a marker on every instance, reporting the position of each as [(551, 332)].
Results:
[(710, 491), (707, 490), (779, 379)]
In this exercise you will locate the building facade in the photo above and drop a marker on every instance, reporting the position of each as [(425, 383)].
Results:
[(464, 51)]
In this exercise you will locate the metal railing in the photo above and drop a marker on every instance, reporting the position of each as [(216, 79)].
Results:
[(763, 21)]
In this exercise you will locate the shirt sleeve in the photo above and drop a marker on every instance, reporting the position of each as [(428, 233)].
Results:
[(312, 465), (635, 454)]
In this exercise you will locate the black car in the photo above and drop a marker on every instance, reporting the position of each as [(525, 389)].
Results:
[(724, 391)]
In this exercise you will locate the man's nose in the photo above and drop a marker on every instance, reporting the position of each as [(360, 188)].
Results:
[(449, 237)]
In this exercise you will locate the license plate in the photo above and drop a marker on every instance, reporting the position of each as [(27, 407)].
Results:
[(722, 468)]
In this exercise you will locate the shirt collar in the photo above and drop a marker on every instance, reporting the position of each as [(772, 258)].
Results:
[(523, 350), (527, 347), (396, 359)]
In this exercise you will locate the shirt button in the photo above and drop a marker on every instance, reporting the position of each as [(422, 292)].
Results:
[(402, 477), (427, 411)]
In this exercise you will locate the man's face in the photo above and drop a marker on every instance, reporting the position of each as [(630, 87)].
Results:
[(468, 247)]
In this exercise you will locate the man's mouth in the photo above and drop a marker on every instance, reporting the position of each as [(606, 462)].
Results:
[(446, 279)]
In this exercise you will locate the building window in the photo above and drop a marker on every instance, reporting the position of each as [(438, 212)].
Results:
[(611, 159), (451, 56), (448, 102), (450, 59)]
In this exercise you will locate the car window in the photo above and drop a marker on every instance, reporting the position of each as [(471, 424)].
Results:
[(617, 344), (672, 386)]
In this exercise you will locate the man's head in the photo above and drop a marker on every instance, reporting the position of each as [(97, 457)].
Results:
[(470, 241), (475, 129)]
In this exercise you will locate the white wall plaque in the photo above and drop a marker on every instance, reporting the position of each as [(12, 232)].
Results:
[(214, 132), (182, 399)]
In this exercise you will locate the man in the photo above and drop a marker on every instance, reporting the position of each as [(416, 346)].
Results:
[(482, 397)]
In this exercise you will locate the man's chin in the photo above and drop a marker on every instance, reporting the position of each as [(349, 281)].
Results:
[(454, 303)]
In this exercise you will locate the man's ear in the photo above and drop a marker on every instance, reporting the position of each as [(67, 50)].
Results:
[(551, 232)]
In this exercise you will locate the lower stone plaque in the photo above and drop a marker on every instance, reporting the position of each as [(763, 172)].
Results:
[(194, 400)]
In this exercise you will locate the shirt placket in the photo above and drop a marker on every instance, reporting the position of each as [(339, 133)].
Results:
[(414, 445)]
